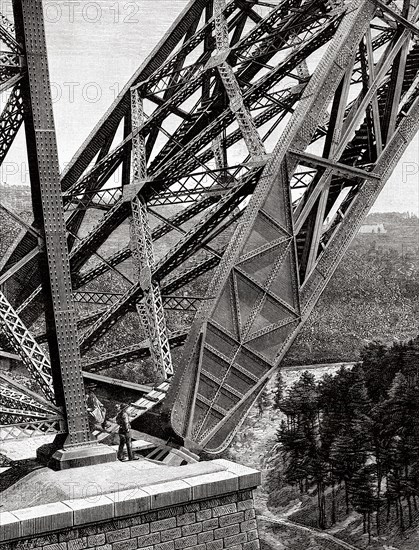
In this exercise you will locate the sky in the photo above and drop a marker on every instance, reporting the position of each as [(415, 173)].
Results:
[(94, 47)]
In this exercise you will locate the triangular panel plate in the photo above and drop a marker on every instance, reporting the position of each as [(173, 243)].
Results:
[(282, 284), (272, 313), (224, 312), (263, 232), (270, 344), (260, 267), (274, 205), (248, 296)]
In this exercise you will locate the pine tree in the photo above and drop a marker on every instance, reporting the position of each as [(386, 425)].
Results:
[(301, 442), (362, 495), (400, 441), (279, 391), (348, 454)]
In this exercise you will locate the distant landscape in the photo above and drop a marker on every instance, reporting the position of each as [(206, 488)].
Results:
[(373, 295)]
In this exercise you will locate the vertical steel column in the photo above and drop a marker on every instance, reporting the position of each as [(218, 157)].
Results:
[(49, 220), (150, 309)]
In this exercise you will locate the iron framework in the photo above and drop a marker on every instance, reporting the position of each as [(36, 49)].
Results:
[(246, 169)]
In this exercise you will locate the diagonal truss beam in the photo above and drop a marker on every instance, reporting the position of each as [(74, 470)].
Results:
[(10, 121), (130, 353), (21, 340)]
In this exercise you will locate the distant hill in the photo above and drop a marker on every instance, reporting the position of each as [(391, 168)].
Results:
[(17, 197), (373, 295), (401, 232), (398, 230)]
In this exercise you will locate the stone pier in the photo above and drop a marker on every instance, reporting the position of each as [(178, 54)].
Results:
[(132, 505)]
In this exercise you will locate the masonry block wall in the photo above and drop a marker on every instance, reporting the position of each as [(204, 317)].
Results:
[(205, 512)]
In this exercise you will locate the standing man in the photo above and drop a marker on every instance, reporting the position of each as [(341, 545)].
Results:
[(122, 419)]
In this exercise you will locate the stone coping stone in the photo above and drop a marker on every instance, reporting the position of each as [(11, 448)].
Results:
[(208, 485), (161, 487), (248, 477), (43, 519), (91, 510)]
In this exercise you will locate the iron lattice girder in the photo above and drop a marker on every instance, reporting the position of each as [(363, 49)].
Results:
[(185, 247), (82, 278), (13, 399), (9, 60), (49, 218), (182, 303), (358, 149), (150, 308), (8, 414), (130, 353), (10, 121), (78, 255), (21, 340), (34, 428), (20, 393), (7, 34), (101, 298), (245, 121), (18, 265)]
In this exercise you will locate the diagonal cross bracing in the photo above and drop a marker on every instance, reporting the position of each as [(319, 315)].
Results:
[(26, 346)]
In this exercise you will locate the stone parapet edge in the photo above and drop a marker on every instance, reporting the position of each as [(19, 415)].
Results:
[(56, 516)]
